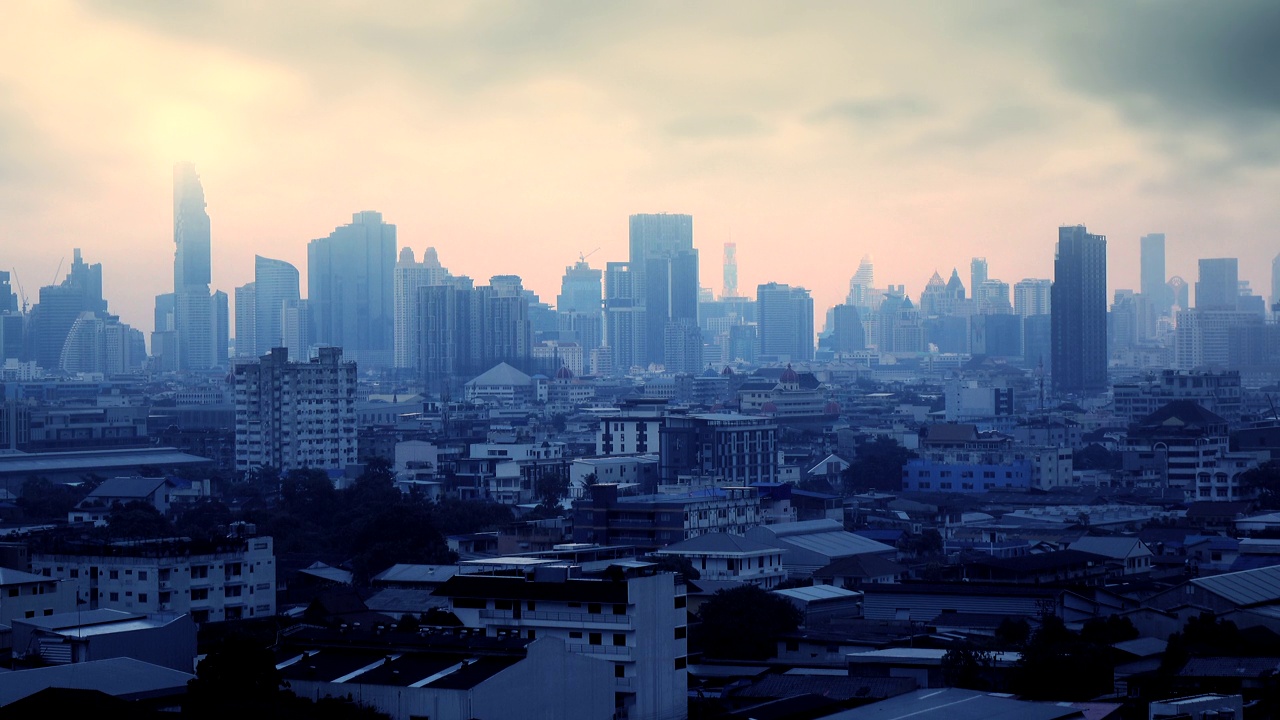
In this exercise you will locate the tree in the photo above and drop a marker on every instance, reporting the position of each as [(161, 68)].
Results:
[(969, 668), (744, 623), (1055, 652), (1013, 632), (878, 466), (1096, 457), (43, 500), (138, 519), (551, 488), (677, 564), (1263, 482)]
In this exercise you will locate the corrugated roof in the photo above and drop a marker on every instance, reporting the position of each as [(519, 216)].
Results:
[(9, 576), (95, 460), (817, 592), (1246, 587), (425, 574), (120, 677), (1232, 667), (717, 543), (127, 487)]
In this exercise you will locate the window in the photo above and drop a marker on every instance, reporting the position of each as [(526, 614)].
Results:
[(531, 606), (619, 609), (619, 639), (470, 603), (680, 601), (619, 671), (681, 663), (75, 573), (595, 639), (142, 574), (115, 575), (682, 632), (593, 608), (198, 593), (575, 634), (115, 597)]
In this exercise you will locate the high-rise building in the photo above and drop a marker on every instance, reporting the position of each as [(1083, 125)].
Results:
[(1180, 291), (862, 286), (1031, 297), (296, 329), (1218, 287), (444, 332), (682, 347), (292, 415), (59, 308), (625, 323), (665, 264), (934, 300), (246, 316), (276, 287), (1079, 312), (785, 322), (221, 328), (730, 289), (1274, 301), (195, 313), (847, 333), (410, 276), (581, 289), (8, 300), (977, 274), (1152, 278), (992, 297), (500, 327), (350, 289)]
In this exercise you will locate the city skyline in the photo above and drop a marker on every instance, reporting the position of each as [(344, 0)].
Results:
[(835, 148)]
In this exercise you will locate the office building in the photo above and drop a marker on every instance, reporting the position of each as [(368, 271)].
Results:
[(1152, 278), (862, 292), (1218, 287), (8, 300), (59, 308), (666, 267), (1031, 297), (730, 287), (410, 276), (1079, 312), (1180, 291), (847, 334), (977, 274), (625, 317), (1275, 285), (581, 289), (444, 332), (292, 415), (682, 346), (246, 315), (198, 318), (500, 328), (350, 289), (276, 287), (785, 322)]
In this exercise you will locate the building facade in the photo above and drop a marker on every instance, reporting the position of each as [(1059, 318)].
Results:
[(1079, 312)]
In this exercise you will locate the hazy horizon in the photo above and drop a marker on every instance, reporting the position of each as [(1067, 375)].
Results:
[(512, 137)]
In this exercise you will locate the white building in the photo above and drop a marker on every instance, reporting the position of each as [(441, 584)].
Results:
[(721, 556), (409, 276), (24, 595), (296, 414), (638, 624), (231, 581)]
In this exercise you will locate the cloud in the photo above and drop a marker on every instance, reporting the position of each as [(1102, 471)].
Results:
[(876, 110), (715, 126)]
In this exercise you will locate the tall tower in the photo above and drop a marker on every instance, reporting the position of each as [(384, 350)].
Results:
[(1275, 285), (665, 267), (1152, 278), (785, 322), (730, 271), (350, 279), (977, 274), (276, 287), (1218, 287), (199, 319), (191, 260), (410, 277), (1079, 312)]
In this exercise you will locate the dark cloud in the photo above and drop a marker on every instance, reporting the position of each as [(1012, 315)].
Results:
[(1180, 68)]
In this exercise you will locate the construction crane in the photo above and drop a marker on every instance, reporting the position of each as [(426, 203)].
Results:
[(583, 258), (22, 295), (58, 272)]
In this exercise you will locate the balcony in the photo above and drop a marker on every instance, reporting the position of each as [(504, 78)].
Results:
[(615, 652), (542, 616)]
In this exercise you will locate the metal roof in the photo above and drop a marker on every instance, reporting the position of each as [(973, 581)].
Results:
[(121, 677), (97, 460), (718, 543), (817, 592), (1260, 586)]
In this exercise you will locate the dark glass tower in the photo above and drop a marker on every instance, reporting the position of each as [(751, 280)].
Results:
[(666, 275), (1153, 280), (1079, 312)]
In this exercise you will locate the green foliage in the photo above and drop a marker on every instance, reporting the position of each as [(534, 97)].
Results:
[(551, 488), (457, 517), (1110, 631), (1013, 632), (1263, 482), (203, 520), (1054, 653), (970, 668), (138, 520), (44, 500), (744, 623), (878, 466), (926, 543), (1096, 457), (677, 564)]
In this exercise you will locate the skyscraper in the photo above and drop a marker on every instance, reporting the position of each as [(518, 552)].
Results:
[(1218, 287), (410, 276), (59, 308), (977, 274), (862, 286), (730, 288), (785, 322), (8, 301), (350, 279), (1275, 285), (581, 289), (665, 265), (444, 332), (1031, 297), (1153, 280), (192, 326), (1079, 312), (246, 315), (276, 287), (624, 312)]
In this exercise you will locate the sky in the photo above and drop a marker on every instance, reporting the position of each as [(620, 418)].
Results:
[(513, 136)]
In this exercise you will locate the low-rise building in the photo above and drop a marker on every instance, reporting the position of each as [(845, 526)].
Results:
[(650, 522), (637, 623), (725, 557), (167, 640), (232, 579), (25, 595)]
